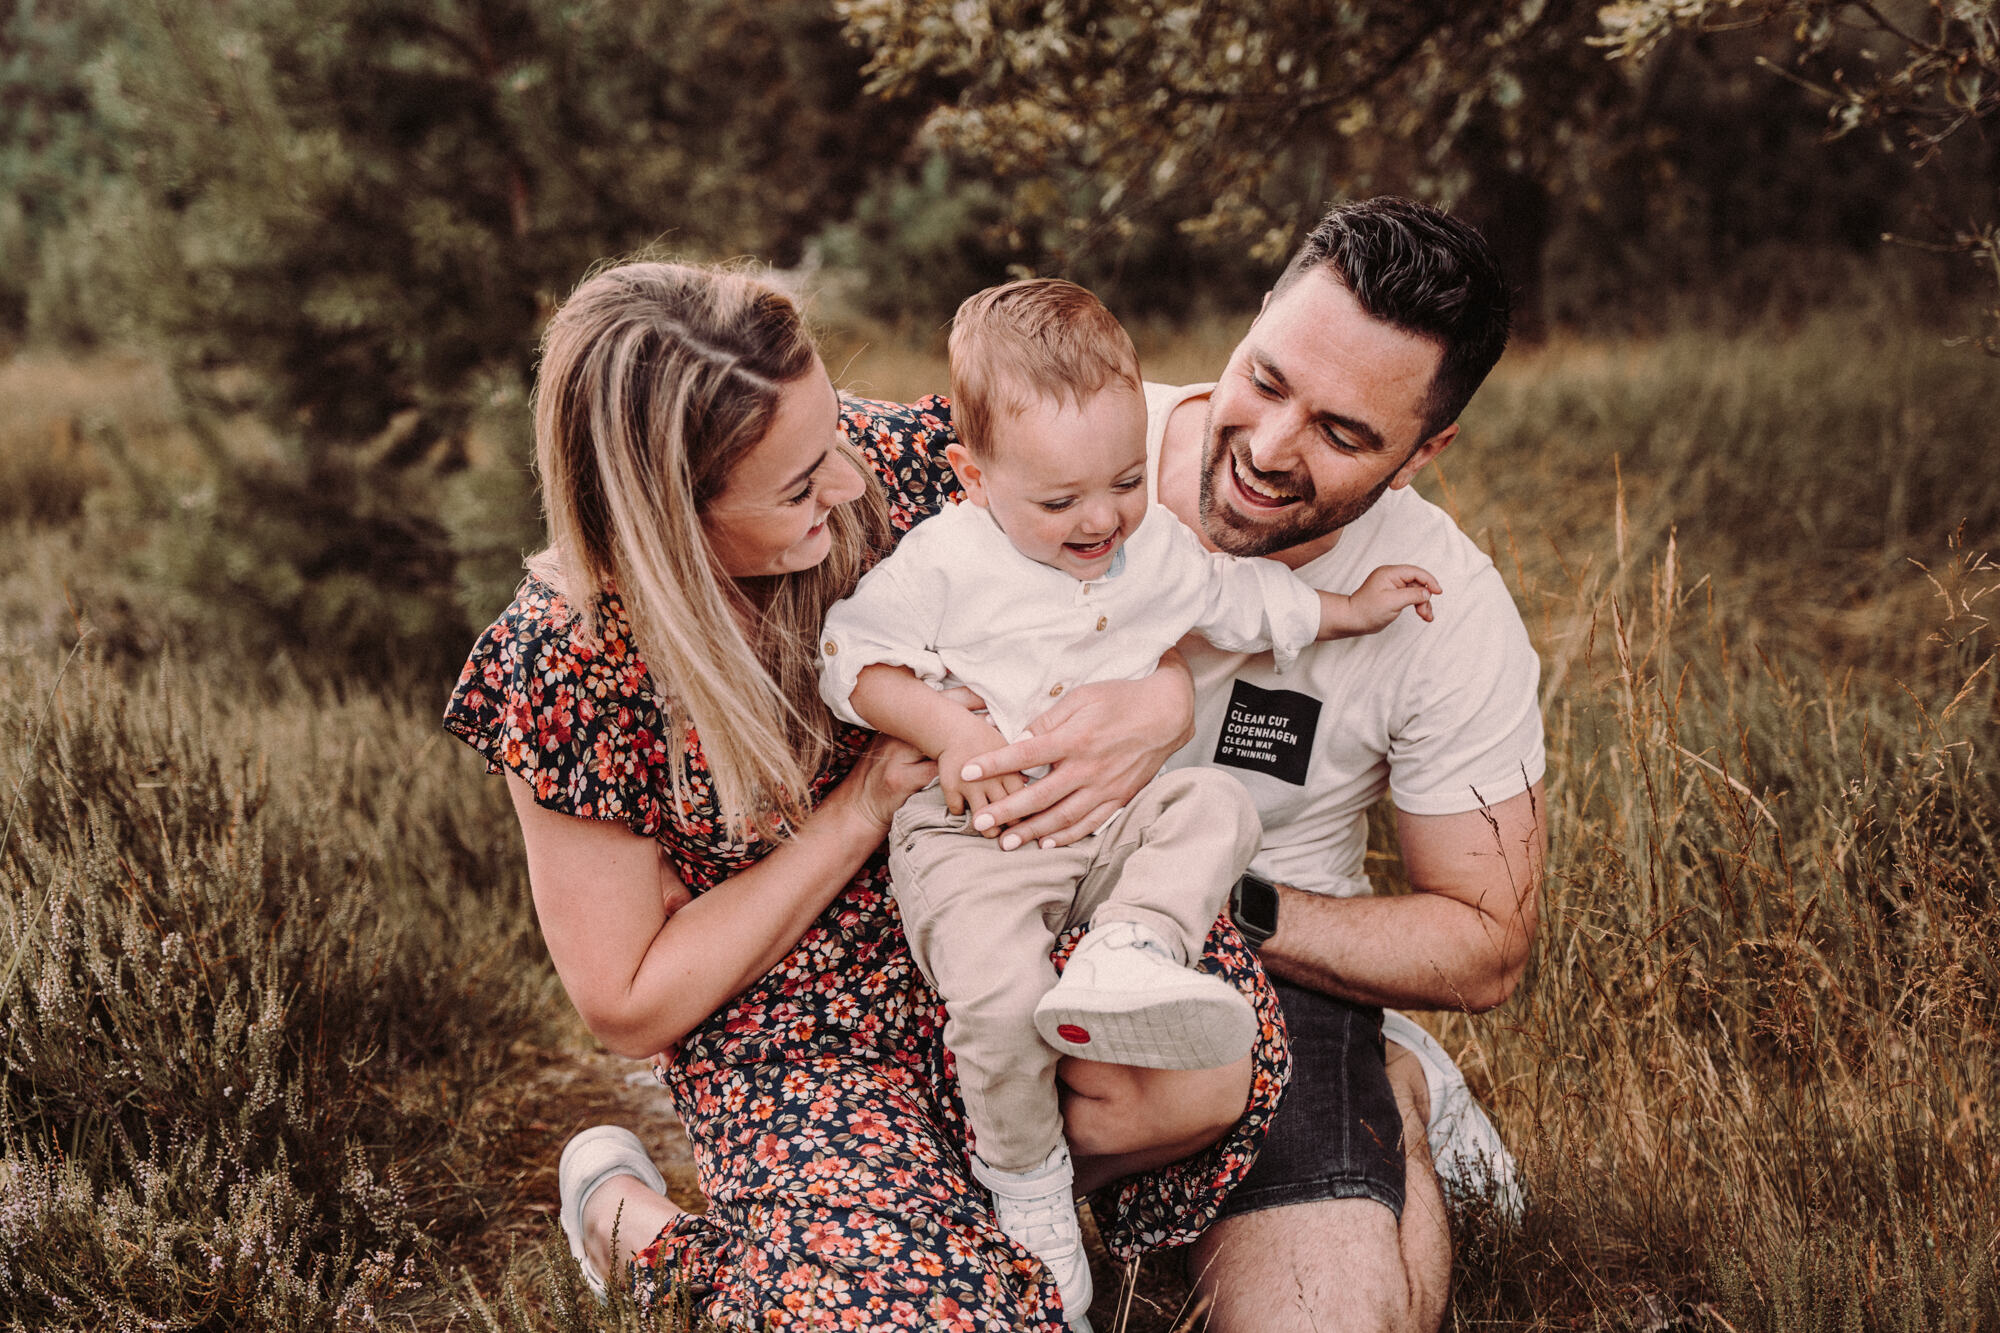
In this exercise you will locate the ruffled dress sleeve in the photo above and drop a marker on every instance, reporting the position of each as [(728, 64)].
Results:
[(569, 713), (574, 715)]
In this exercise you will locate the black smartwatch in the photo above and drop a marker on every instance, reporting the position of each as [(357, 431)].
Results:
[(1253, 906)]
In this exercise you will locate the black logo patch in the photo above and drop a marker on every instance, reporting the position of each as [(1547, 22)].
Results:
[(1268, 731)]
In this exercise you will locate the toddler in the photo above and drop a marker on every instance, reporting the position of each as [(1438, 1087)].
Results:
[(1053, 573)]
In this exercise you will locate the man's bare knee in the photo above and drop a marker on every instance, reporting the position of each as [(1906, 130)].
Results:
[(1331, 1266)]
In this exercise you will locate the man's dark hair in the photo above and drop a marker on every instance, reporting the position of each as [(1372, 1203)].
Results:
[(1418, 269)]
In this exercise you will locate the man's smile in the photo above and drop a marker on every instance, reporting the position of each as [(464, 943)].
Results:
[(1255, 491)]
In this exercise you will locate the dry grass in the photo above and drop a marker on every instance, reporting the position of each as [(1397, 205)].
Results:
[(1752, 1077)]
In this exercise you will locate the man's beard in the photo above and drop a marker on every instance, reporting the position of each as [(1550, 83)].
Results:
[(1306, 519)]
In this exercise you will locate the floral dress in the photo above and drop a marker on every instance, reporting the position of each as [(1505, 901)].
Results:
[(821, 1103)]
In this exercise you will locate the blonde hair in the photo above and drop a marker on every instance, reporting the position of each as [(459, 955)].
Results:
[(656, 379), (1041, 338)]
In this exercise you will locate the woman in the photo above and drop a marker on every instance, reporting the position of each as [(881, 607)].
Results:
[(704, 840)]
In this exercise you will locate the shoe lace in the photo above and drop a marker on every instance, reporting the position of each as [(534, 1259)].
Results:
[(1041, 1223)]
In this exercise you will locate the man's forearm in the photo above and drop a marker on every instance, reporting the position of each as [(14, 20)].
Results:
[(1460, 942), (1412, 951)]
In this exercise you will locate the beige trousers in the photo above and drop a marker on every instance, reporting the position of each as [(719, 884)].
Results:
[(981, 923)]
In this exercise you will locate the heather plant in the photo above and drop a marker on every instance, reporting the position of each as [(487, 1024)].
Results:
[(255, 961)]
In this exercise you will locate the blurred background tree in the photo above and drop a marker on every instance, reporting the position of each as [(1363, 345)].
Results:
[(1920, 77), (55, 154), (346, 222), (1640, 145), (340, 226)]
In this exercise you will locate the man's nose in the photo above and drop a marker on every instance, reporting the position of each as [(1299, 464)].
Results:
[(1273, 443)]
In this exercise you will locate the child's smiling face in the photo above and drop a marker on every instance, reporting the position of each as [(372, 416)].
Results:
[(1065, 481)]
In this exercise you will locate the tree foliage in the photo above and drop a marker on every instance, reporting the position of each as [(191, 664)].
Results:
[(1923, 75), (54, 154), (373, 201), (1649, 137), (1238, 118)]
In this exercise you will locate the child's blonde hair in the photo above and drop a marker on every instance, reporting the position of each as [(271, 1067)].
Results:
[(1022, 342), (656, 380)]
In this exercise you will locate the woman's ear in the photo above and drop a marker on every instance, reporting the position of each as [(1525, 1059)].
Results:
[(969, 472)]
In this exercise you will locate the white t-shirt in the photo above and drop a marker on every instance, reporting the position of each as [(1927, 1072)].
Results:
[(1445, 716), (958, 605)]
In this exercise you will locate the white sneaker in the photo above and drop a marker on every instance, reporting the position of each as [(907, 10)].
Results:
[(594, 1156), (1125, 1000), (1466, 1151), (1038, 1212)]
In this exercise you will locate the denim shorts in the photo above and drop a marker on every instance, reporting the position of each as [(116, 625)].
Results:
[(1337, 1133)]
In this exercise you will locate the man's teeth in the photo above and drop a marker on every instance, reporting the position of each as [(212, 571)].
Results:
[(1255, 487)]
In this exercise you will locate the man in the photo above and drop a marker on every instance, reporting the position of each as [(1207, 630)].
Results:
[(1348, 384)]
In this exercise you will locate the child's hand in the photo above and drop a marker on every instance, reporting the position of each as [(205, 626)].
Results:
[(969, 798), (1374, 605)]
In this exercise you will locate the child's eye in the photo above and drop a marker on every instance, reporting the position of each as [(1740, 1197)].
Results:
[(1055, 506), (1123, 487)]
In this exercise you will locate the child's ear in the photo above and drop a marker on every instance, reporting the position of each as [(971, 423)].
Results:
[(969, 474)]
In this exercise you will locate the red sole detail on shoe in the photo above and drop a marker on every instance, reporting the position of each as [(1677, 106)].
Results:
[(1070, 1032)]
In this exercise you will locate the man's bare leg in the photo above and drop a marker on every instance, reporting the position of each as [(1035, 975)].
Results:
[(1339, 1264), (1120, 1120)]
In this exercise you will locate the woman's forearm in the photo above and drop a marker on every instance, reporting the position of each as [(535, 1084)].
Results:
[(704, 955), (644, 965)]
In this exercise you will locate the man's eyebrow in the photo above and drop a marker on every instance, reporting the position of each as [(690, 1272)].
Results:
[(1368, 436)]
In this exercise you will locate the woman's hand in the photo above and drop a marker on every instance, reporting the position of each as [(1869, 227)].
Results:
[(1105, 742), (888, 773), (643, 960), (674, 892)]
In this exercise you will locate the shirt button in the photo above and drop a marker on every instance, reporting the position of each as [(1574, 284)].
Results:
[(831, 647), (1102, 621), (1054, 690)]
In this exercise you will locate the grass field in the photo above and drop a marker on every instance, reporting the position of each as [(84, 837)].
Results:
[(282, 1050)]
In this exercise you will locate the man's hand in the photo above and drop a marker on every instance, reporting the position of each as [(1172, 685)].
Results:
[(1104, 742)]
